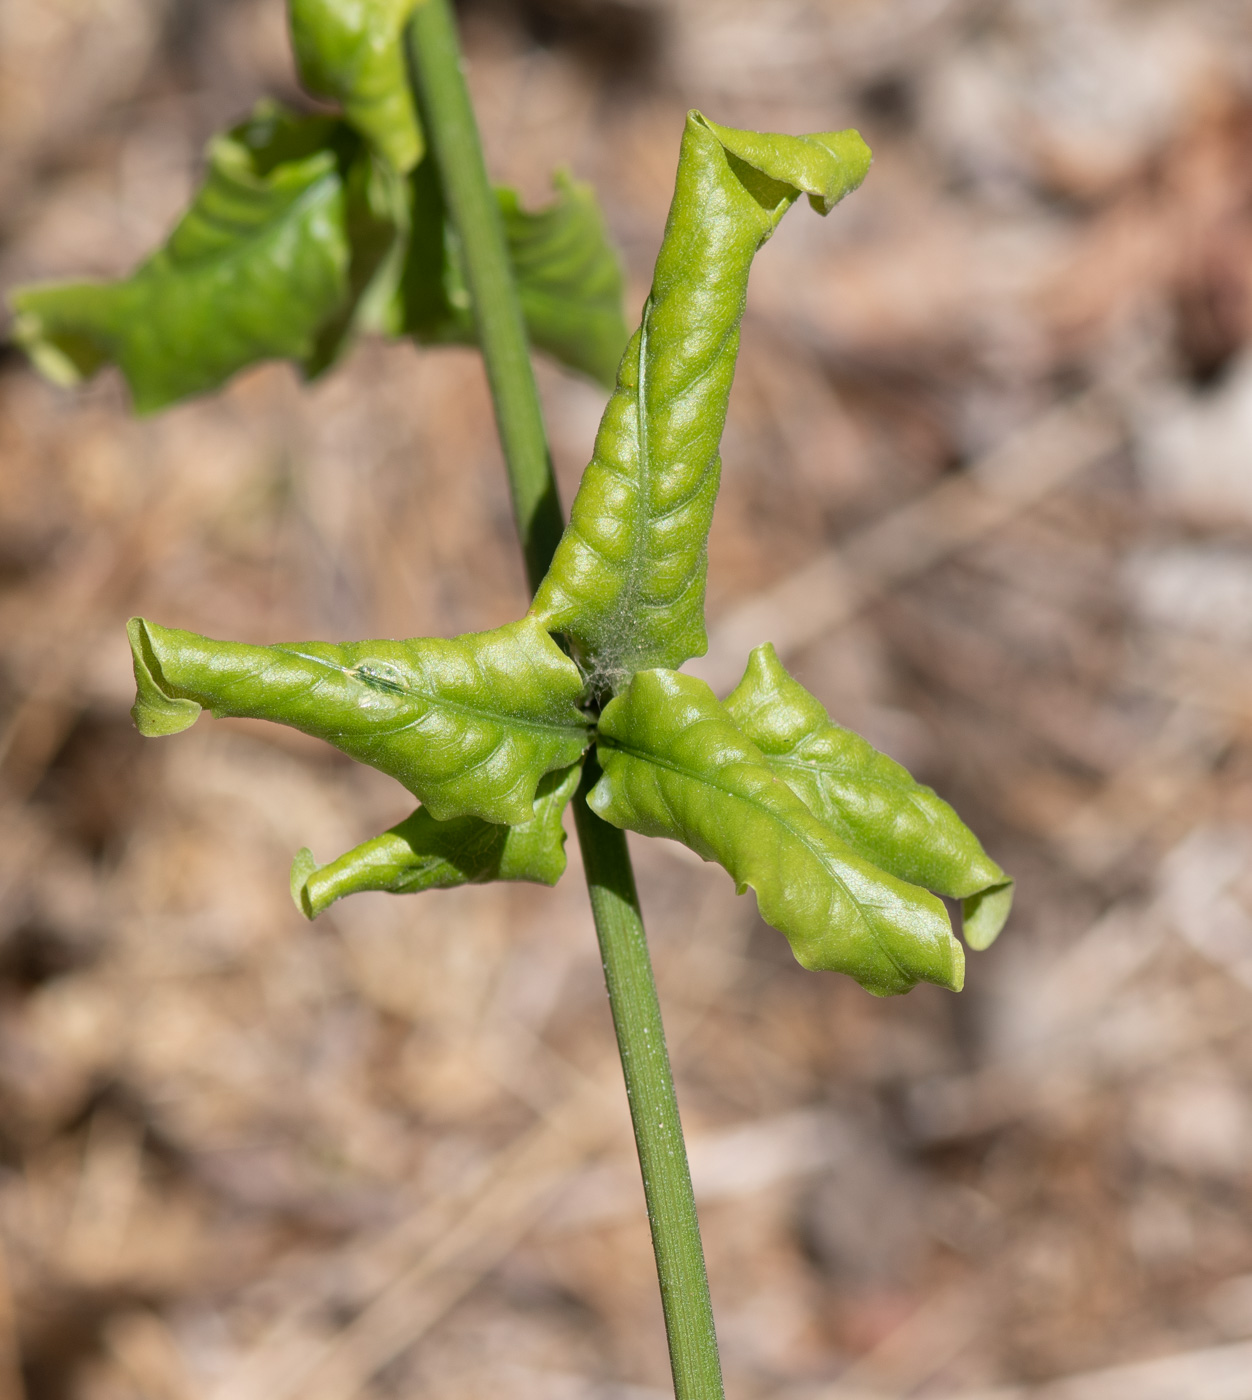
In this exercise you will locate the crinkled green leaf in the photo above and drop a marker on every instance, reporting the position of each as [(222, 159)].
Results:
[(351, 51), (376, 217), (675, 765), (424, 854), (568, 277), (627, 584), (468, 725), (870, 800), (299, 238), (255, 269), (566, 271)]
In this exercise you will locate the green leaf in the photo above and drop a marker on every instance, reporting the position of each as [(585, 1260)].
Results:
[(627, 583), (675, 765), (376, 218), (568, 277), (424, 854), (870, 800), (254, 270), (567, 273), (353, 54), (468, 725), (300, 238)]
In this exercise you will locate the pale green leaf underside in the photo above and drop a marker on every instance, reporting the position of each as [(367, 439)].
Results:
[(252, 271), (675, 765), (424, 854), (871, 801), (627, 583), (352, 54), (568, 277), (468, 725)]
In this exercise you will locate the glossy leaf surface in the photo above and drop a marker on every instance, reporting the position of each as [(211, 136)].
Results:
[(421, 853), (352, 54), (870, 800), (567, 274), (627, 583), (675, 765), (253, 270), (468, 725)]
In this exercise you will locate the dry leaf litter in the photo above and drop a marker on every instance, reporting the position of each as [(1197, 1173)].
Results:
[(987, 485)]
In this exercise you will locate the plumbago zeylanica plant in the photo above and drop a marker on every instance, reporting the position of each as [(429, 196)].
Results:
[(310, 228)]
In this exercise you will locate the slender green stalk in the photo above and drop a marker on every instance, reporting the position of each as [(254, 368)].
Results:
[(452, 131), (453, 134), (653, 1105)]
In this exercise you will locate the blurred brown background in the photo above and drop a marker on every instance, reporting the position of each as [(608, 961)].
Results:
[(988, 483)]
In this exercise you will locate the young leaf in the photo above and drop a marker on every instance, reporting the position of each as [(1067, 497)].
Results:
[(424, 854), (253, 270), (469, 726), (353, 54), (376, 217), (675, 765), (627, 583), (870, 800), (567, 275)]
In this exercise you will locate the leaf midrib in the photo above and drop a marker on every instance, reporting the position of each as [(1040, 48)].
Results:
[(440, 702), (627, 599)]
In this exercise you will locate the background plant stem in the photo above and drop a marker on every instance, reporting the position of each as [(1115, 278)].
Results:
[(452, 132), (453, 135)]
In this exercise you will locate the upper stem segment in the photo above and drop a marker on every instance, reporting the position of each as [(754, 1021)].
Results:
[(453, 135)]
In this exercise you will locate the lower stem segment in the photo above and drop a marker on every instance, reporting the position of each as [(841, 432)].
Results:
[(653, 1105)]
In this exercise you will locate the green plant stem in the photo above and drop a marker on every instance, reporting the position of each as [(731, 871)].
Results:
[(653, 1105), (453, 134), (444, 100)]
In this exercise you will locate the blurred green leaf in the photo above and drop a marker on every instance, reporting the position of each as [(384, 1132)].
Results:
[(352, 53), (675, 765), (567, 274), (424, 854), (299, 238), (868, 799), (468, 725), (376, 217), (254, 270), (568, 277), (627, 583)]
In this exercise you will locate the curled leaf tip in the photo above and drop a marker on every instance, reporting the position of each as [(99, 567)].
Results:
[(825, 165), (984, 914), (156, 710), (303, 868), (64, 361), (421, 853)]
